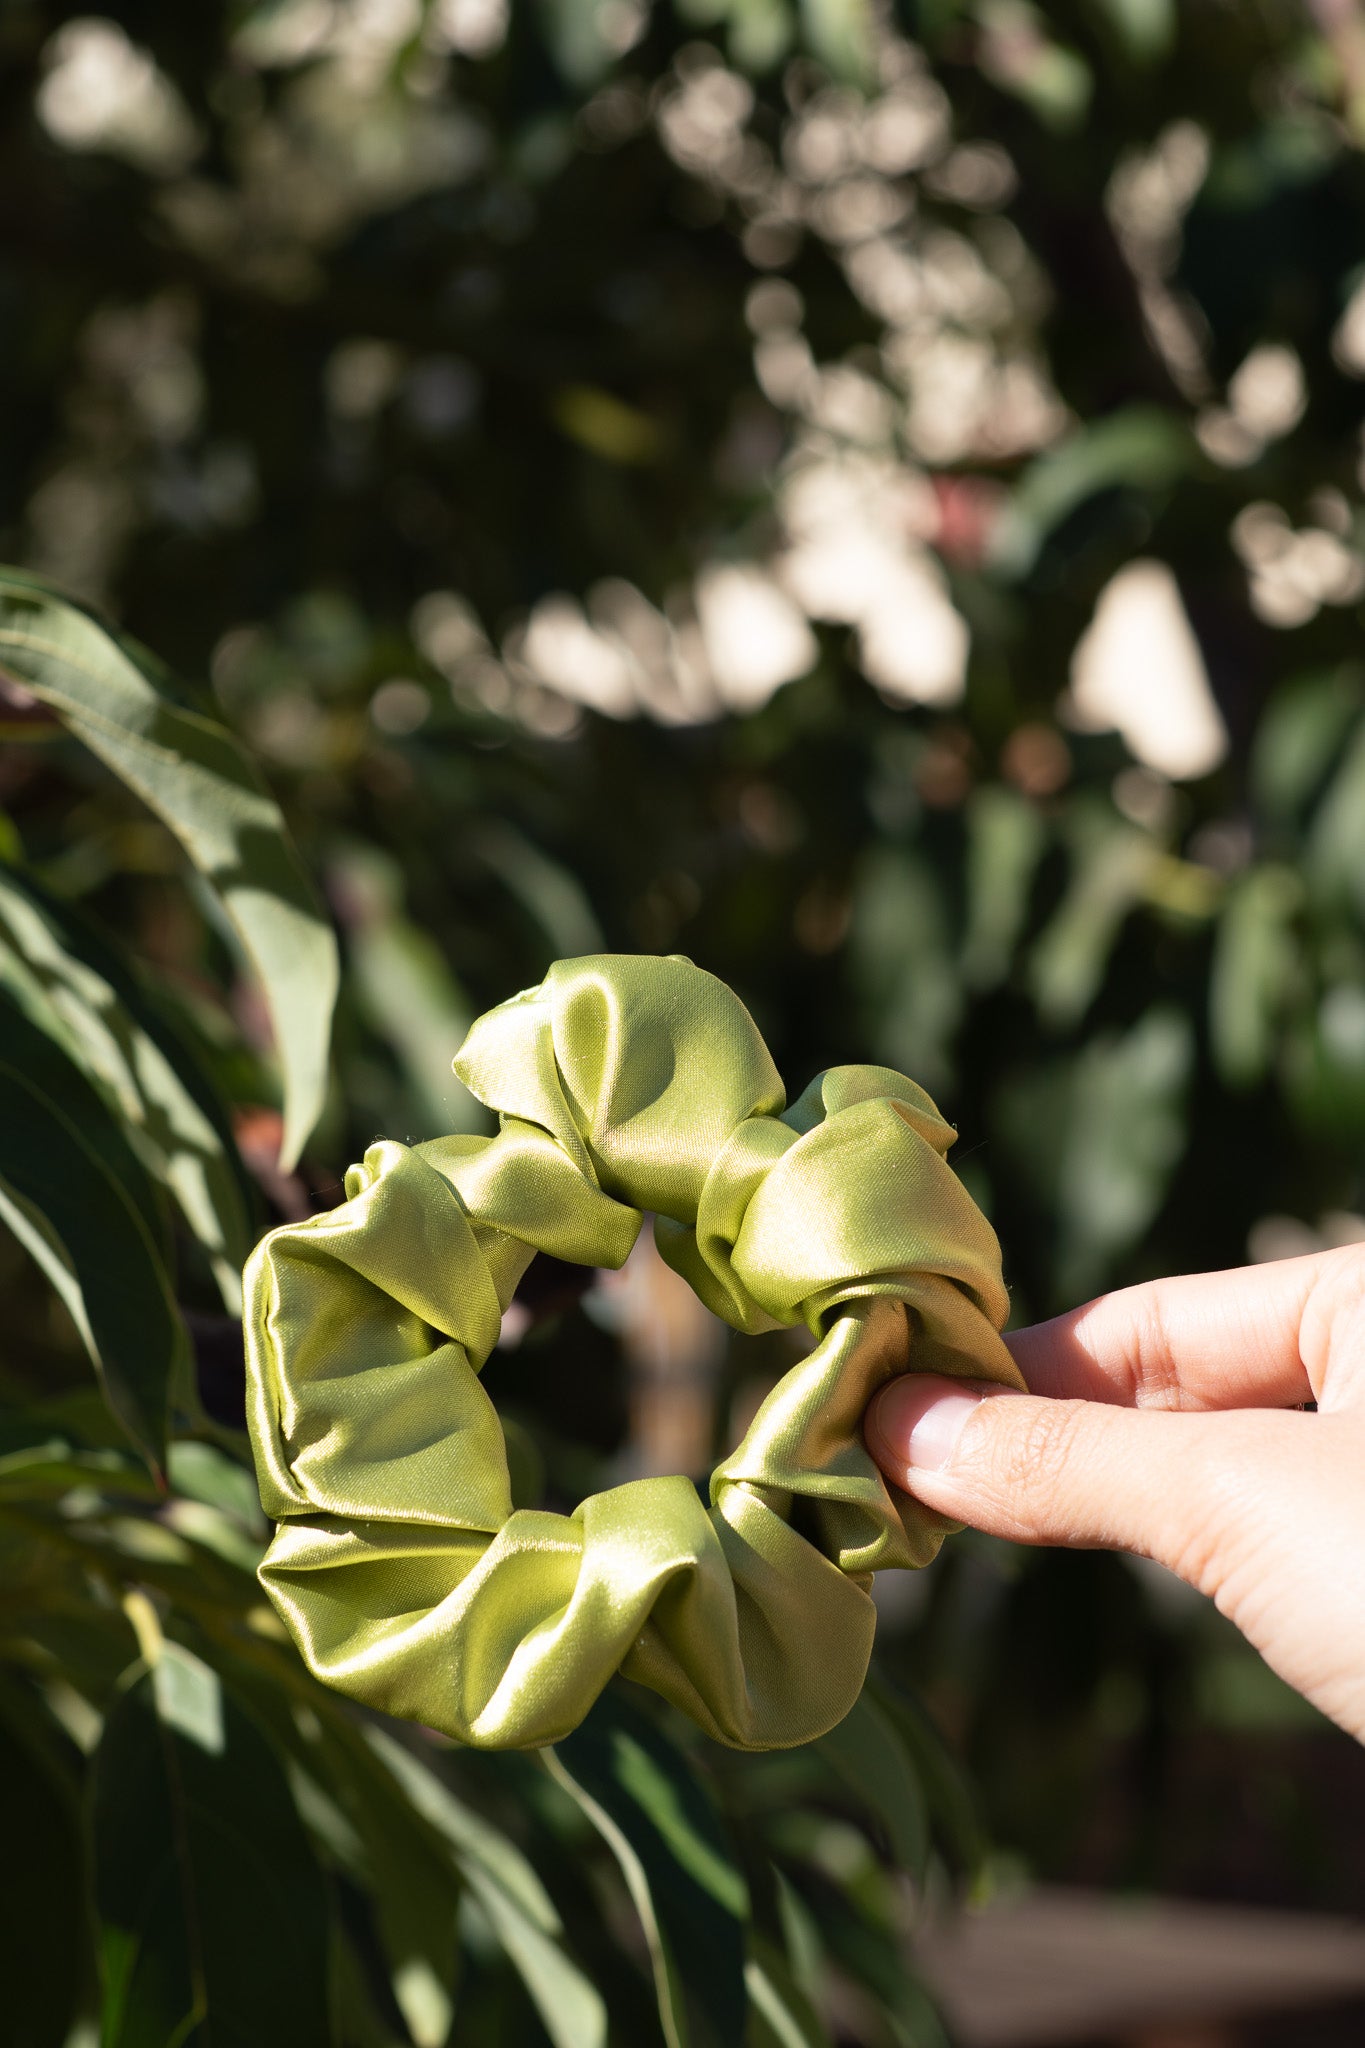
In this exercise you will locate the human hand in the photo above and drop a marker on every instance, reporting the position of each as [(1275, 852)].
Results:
[(1156, 1423)]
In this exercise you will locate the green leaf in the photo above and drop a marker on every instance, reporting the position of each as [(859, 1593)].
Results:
[(1006, 838), (211, 1908), (947, 1793), (52, 962), (1145, 28), (902, 964), (868, 1754), (79, 1203), (41, 1057), (1336, 844), (866, 1937), (403, 983), (45, 1964), (1111, 866), (581, 49), (840, 34), (1097, 1138), (1019, 56), (1300, 738), (758, 32), (514, 1901), (47, 1471), (401, 1859), (780, 2014), (1143, 447), (643, 1797), (1325, 1063), (1255, 970), (552, 895), (205, 1473), (204, 785)]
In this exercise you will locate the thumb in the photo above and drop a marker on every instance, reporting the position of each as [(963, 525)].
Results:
[(1173, 1486)]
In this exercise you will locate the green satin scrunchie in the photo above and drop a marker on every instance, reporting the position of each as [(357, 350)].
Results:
[(400, 1566)]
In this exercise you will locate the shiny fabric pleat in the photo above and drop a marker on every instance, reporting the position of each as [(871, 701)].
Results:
[(400, 1565)]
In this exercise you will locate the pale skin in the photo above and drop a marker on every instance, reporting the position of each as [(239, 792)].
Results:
[(1163, 1420)]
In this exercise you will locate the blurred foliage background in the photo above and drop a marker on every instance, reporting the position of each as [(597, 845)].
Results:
[(867, 495)]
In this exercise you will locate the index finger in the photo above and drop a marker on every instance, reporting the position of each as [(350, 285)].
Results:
[(1201, 1341)]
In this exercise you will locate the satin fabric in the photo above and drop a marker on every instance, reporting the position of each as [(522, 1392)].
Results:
[(402, 1570)]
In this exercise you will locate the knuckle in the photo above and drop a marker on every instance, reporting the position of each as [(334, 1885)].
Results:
[(1332, 1325), (1154, 1381)]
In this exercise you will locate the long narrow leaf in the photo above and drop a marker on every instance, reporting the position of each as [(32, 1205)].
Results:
[(650, 1807), (43, 1940), (513, 1899), (45, 1960), (409, 1869), (211, 1908), (868, 1754), (948, 1796), (48, 1471), (780, 2014), (197, 777), (73, 1200), (52, 963), (43, 1060)]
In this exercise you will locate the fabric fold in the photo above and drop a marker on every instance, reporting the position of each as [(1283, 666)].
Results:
[(623, 1084)]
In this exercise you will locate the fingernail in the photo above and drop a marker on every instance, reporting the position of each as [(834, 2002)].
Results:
[(918, 1419)]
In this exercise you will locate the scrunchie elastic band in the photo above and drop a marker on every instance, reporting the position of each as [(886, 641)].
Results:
[(400, 1565)]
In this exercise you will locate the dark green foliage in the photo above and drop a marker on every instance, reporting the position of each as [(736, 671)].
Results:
[(74, 1194), (381, 379), (661, 1825), (212, 1914)]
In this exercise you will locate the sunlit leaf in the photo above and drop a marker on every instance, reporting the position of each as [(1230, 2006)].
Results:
[(114, 1031), (204, 1473), (840, 34), (407, 991), (760, 32), (581, 46), (1299, 739), (1006, 837), (1052, 80), (35, 1043), (658, 1820), (596, 419), (1146, 28), (79, 1203), (204, 785), (780, 2014), (1111, 865), (942, 1779), (48, 1471), (406, 1864), (1142, 447), (867, 1752), (553, 896), (514, 1901), (211, 1910), (1336, 842), (1325, 1063), (1097, 1137), (1256, 966), (903, 966), (868, 1940)]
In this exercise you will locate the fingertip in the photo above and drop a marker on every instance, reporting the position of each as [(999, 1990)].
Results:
[(914, 1423)]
